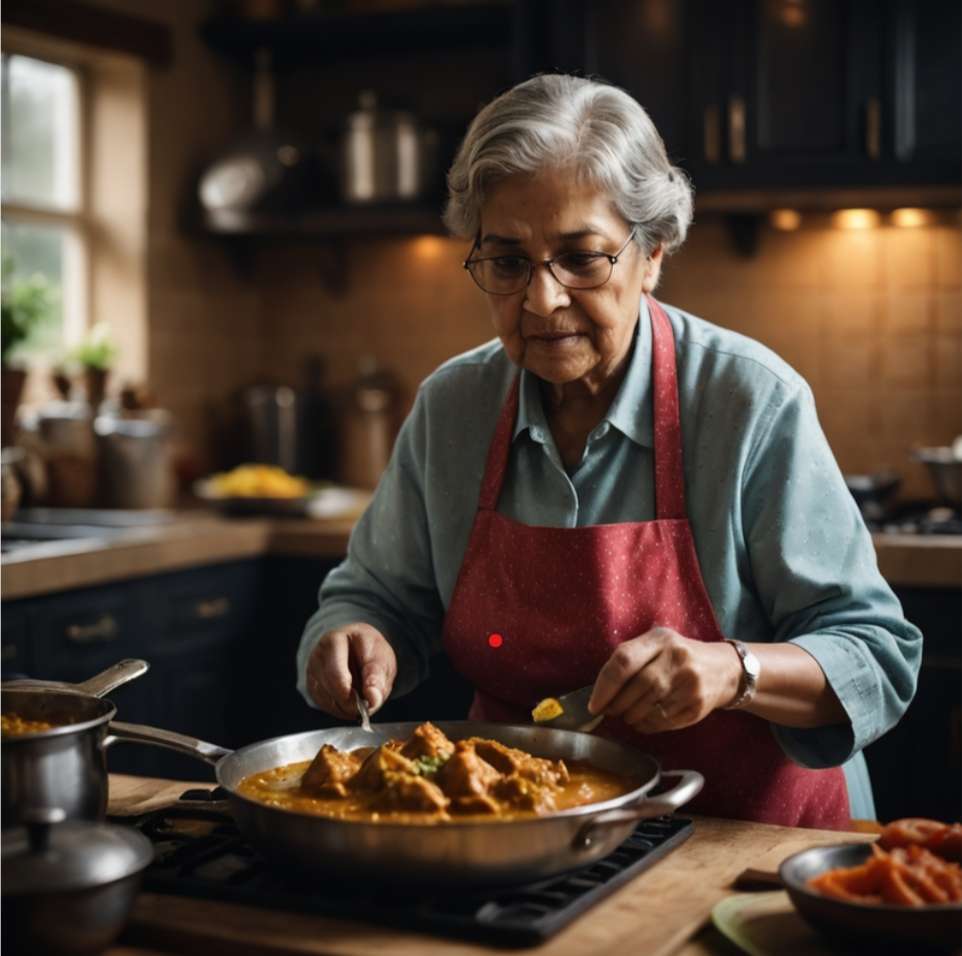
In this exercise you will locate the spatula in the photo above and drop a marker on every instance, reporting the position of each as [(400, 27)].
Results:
[(574, 712)]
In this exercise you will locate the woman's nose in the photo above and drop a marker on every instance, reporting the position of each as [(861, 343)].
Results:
[(545, 293)]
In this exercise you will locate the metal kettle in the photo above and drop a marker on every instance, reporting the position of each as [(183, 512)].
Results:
[(386, 155)]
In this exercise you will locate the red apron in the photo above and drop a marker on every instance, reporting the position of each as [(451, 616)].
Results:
[(562, 599)]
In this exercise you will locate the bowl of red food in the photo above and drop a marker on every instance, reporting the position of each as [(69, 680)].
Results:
[(902, 893)]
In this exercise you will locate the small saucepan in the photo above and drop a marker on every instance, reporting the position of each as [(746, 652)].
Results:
[(68, 887), (64, 766)]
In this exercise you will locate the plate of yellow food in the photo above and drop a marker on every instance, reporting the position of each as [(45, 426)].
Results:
[(258, 489)]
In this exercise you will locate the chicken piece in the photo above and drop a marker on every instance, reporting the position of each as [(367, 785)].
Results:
[(521, 793), (427, 741), (465, 773), (406, 791), (509, 761), (370, 778), (329, 772), (475, 804)]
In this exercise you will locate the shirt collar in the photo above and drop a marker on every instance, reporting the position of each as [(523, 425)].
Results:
[(630, 412)]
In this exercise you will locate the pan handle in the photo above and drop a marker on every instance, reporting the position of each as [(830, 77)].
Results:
[(690, 783), (121, 732), (106, 681)]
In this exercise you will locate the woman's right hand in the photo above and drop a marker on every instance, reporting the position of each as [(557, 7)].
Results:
[(353, 649)]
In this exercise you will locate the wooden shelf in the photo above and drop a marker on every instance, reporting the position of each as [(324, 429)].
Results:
[(395, 219), (321, 38)]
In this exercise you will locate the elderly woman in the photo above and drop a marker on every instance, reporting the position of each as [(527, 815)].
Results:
[(617, 493)]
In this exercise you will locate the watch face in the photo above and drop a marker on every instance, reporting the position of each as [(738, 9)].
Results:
[(752, 666)]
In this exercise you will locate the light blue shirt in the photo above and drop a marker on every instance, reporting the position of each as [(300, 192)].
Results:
[(783, 549)]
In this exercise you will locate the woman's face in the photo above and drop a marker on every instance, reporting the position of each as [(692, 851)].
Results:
[(564, 335)]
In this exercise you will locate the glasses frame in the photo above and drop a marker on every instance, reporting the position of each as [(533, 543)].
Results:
[(548, 264)]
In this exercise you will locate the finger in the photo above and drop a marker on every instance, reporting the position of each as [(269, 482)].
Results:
[(626, 661), (334, 674), (375, 664)]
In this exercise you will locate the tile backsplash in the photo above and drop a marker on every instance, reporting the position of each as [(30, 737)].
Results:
[(872, 319)]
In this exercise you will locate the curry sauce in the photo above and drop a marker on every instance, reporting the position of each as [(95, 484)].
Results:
[(430, 779)]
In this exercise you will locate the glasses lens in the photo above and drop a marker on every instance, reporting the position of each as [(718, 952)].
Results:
[(501, 275), (582, 270)]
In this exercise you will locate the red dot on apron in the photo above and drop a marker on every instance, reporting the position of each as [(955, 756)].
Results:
[(495, 640)]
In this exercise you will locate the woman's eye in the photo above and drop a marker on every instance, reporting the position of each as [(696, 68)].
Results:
[(509, 265), (579, 261)]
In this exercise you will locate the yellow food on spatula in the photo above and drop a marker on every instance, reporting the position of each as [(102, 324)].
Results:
[(546, 710)]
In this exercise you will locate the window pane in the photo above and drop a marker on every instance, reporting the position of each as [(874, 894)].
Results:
[(35, 261), (40, 165)]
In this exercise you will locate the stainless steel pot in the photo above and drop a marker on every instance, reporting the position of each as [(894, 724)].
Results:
[(386, 155), (945, 468), (68, 887), (136, 460), (63, 767), (453, 854)]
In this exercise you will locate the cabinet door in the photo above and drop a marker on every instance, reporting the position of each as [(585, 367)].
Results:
[(924, 53), (640, 46), (14, 646), (786, 92), (76, 635)]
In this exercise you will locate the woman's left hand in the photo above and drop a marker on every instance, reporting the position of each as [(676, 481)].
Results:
[(663, 680)]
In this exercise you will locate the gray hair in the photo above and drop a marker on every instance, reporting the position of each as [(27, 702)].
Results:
[(598, 130)]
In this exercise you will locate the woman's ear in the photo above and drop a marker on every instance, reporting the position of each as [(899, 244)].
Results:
[(652, 269)]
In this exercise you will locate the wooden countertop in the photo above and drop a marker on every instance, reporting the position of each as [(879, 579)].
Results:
[(196, 538), (663, 912)]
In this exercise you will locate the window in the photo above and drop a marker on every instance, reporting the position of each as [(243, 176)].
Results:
[(45, 234)]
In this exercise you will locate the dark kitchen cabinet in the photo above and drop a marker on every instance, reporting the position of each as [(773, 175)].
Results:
[(807, 93), (916, 768), (14, 645), (186, 625)]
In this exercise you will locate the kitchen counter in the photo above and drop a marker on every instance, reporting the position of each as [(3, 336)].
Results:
[(192, 539), (663, 912), (197, 537)]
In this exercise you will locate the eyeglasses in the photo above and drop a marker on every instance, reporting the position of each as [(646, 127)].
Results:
[(507, 275)]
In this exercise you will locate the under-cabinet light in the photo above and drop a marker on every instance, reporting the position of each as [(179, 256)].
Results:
[(856, 219), (787, 220), (428, 248), (908, 218)]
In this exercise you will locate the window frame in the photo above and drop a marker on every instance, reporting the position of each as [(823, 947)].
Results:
[(77, 224)]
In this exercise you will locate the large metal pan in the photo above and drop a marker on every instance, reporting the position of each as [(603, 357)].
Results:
[(62, 767), (456, 854)]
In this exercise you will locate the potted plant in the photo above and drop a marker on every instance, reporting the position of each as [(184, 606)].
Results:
[(96, 355), (25, 302)]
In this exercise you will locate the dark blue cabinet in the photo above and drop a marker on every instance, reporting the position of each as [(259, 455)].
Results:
[(187, 625)]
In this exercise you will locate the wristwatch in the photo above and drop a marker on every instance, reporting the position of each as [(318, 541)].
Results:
[(751, 668)]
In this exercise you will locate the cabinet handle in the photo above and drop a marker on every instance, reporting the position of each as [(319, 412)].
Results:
[(212, 608), (873, 128), (712, 134), (736, 130), (102, 630)]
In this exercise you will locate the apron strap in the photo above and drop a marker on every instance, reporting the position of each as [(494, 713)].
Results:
[(666, 418), (496, 466)]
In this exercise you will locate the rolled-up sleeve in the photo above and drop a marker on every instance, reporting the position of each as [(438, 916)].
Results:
[(387, 579), (816, 575)]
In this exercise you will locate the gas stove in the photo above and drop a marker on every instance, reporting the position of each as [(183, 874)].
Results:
[(200, 853), (917, 519)]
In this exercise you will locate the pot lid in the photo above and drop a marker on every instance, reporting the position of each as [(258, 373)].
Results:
[(50, 854)]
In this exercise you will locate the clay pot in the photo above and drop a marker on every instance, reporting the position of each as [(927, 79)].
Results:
[(12, 381)]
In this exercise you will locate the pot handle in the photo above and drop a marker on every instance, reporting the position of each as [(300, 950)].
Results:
[(106, 681), (690, 783), (120, 732)]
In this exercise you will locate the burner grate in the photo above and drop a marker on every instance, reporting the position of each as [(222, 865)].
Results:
[(200, 854)]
